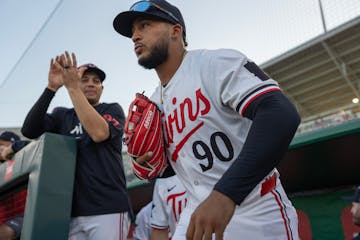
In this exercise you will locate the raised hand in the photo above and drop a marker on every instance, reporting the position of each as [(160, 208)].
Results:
[(55, 80), (71, 75)]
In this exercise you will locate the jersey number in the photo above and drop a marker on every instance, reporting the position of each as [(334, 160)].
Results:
[(202, 151)]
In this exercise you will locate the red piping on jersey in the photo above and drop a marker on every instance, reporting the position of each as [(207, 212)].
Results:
[(282, 214), (255, 97), (121, 227), (178, 147), (268, 185)]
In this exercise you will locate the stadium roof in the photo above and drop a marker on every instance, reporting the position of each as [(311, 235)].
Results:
[(321, 76)]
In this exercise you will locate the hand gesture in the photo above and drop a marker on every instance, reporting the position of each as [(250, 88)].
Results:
[(70, 73), (63, 71), (55, 80), (211, 216)]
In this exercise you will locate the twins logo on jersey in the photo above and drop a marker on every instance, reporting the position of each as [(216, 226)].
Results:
[(177, 120), (178, 203), (219, 145)]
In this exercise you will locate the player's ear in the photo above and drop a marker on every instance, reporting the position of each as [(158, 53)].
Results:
[(176, 31)]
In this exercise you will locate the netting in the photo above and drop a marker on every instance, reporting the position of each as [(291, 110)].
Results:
[(12, 204)]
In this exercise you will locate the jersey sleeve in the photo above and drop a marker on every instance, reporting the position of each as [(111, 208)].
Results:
[(274, 124), (159, 218), (240, 81), (37, 121)]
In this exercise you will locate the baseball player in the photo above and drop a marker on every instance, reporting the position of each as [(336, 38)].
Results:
[(10, 143), (157, 220), (227, 127), (100, 204)]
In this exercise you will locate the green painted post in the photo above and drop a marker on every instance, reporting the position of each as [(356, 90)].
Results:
[(49, 164)]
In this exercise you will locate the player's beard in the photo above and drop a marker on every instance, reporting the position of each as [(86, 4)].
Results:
[(158, 55)]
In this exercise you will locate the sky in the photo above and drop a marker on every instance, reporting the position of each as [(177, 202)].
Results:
[(34, 31)]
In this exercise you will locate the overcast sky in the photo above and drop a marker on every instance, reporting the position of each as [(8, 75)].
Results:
[(33, 31)]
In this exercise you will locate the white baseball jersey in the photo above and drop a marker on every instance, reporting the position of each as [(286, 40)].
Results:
[(203, 106), (142, 229), (169, 200)]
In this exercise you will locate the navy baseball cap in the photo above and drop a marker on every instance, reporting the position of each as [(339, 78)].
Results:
[(93, 68), (9, 136), (151, 9)]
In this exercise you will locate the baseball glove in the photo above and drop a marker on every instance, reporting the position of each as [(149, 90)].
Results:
[(144, 133)]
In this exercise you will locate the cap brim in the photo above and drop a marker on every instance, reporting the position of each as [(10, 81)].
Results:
[(98, 71), (123, 21)]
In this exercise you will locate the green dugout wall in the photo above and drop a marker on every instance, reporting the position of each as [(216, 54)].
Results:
[(47, 168), (318, 171), (325, 215), (325, 158)]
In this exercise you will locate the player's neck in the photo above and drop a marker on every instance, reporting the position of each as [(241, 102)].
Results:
[(167, 70)]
